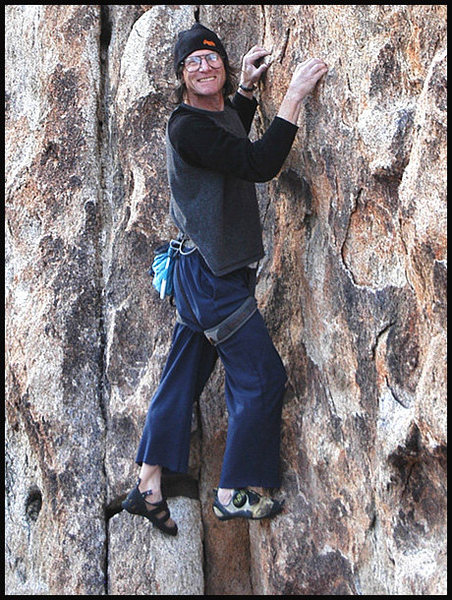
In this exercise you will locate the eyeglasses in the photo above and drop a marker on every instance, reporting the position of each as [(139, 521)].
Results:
[(193, 63)]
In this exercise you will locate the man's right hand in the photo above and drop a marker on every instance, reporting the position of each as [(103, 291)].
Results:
[(251, 69)]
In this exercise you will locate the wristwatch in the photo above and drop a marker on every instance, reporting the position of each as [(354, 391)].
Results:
[(245, 89)]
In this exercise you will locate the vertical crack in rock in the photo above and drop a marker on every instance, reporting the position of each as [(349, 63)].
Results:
[(196, 12), (282, 52), (379, 337), (264, 23), (104, 162), (343, 252)]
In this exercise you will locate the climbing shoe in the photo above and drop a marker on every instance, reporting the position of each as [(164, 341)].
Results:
[(156, 512), (247, 504)]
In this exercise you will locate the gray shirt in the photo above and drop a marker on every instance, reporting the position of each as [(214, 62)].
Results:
[(212, 167)]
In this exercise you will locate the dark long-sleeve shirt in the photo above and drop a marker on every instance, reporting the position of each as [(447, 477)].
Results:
[(212, 167)]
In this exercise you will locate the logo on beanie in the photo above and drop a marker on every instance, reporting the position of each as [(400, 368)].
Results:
[(208, 43)]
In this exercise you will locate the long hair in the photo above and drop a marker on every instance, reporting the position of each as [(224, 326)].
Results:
[(229, 87)]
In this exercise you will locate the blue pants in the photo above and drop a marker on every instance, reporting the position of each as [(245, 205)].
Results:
[(255, 380)]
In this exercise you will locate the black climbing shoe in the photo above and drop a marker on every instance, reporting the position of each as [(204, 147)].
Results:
[(136, 504)]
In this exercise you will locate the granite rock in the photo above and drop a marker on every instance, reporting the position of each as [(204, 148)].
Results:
[(352, 287)]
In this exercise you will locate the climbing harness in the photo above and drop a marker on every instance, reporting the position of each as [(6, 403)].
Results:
[(162, 271), (226, 328)]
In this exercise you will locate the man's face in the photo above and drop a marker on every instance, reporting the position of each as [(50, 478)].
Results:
[(207, 80)]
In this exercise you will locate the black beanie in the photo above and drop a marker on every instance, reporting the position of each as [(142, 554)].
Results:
[(197, 38)]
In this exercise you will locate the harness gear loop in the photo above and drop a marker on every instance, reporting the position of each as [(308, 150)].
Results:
[(179, 244)]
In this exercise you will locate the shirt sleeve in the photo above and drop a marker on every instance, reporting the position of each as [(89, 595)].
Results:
[(245, 109), (203, 143)]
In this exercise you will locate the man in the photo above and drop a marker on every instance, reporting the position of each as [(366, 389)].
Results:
[(212, 169)]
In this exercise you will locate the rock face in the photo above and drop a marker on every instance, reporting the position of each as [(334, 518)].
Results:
[(353, 289)]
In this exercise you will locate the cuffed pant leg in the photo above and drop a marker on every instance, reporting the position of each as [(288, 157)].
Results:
[(255, 382), (166, 435)]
